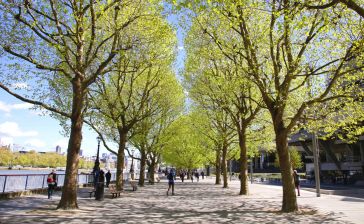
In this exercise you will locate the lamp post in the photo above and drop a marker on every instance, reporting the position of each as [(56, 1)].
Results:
[(96, 168), (132, 164), (316, 157)]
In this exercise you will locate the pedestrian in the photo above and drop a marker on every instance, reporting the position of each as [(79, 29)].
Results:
[(50, 183), (202, 175), (108, 178), (296, 178), (197, 175), (192, 176), (54, 175), (170, 178), (182, 176)]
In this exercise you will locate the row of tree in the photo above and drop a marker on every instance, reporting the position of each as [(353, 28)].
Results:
[(104, 63), (34, 159), (262, 70), (256, 71)]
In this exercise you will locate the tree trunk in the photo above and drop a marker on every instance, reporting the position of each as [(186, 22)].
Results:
[(224, 165), (243, 163), (289, 195), (143, 161), (152, 169), (218, 167), (120, 160), (69, 190)]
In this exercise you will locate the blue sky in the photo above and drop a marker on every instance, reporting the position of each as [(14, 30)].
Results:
[(21, 127)]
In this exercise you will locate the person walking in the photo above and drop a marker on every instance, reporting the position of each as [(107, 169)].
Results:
[(50, 183), (54, 176), (182, 176), (170, 178), (108, 178), (197, 174), (296, 178), (203, 175), (192, 174)]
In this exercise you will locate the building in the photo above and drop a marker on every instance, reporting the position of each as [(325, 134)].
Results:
[(339, 162), (58, 149)]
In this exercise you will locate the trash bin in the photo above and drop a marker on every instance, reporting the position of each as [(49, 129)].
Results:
[(99, 193)]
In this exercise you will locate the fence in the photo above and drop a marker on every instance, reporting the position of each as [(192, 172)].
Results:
[(23, 182)]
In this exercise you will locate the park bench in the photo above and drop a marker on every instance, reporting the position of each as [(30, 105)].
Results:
[(92, 192), (112, 189)]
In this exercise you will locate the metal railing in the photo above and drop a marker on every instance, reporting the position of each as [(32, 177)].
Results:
[(23, 182)]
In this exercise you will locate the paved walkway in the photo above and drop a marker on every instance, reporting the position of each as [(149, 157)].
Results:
[(201, 202)]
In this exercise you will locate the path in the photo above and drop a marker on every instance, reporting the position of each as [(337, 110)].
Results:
[(201, 202)]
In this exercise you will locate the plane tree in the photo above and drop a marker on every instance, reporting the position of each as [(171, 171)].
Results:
[(123, 98), (281, 47), (150, 134), (47, 40)]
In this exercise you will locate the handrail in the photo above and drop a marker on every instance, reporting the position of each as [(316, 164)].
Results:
[(23, 182)]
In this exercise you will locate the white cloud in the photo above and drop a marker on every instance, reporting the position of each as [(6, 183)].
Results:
[(11, 129), (20, 85), (35, 143), (9, 107), (181, 48)]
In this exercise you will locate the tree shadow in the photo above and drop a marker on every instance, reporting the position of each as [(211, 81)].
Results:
[(194, 203)]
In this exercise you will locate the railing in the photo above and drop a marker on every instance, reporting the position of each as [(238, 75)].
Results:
[(23, 182)]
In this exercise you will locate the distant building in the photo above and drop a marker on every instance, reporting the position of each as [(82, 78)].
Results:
[(104, 155), (58, 149)]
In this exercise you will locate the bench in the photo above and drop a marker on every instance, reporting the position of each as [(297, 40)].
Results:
[(115, 193), (133, 184), (92, 192)]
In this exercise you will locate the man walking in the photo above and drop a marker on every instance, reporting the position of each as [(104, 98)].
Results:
[(170, 178), (108, 178)]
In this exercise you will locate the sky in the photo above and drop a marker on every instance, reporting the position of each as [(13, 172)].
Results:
[(26, 129)]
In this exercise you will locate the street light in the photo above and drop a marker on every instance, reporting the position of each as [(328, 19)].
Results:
[(132, 164), (96, 168)]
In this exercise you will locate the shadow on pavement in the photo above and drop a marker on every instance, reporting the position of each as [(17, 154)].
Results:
[(193, 203)]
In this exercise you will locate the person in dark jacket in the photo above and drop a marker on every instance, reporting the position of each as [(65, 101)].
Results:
[(170, 177), (108, 178), (182, 176)]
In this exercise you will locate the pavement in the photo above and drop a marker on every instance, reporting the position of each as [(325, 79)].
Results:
[(198, 202)]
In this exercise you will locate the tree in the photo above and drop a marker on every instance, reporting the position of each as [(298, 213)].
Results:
[(185, 142), (221, 80), (357, 6), (121, 99), (279, 46), (6, 157), (295, 158), (54, 40), (149, 135)]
